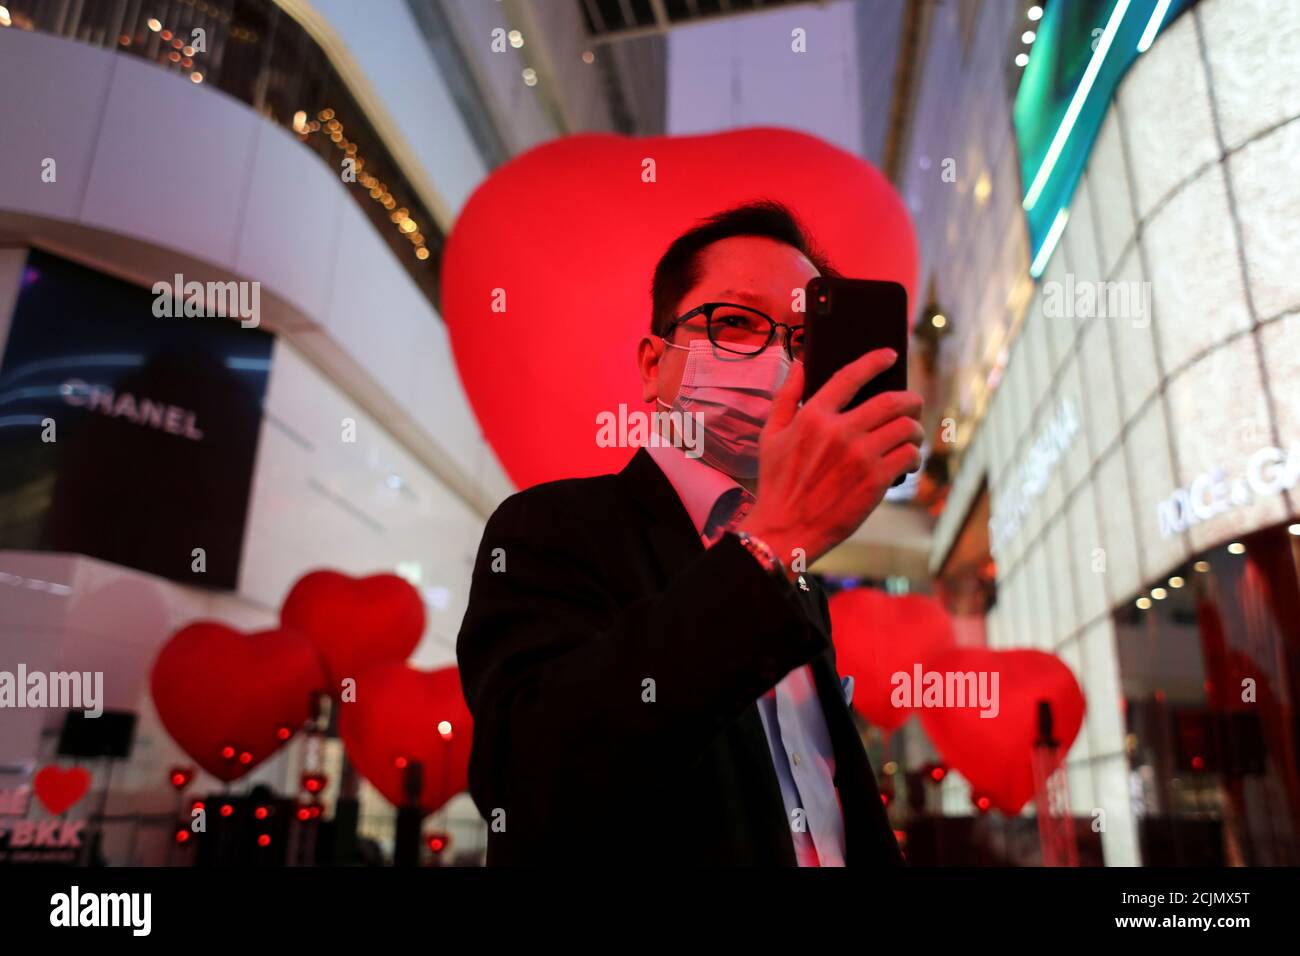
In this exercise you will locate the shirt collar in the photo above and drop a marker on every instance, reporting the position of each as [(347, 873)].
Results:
[(698, 485)]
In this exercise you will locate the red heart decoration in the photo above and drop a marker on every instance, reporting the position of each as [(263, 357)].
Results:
[(59, 789), (403, 715), (877, 635), (995, 754), (571, 234), (225, 696), (355, 623)]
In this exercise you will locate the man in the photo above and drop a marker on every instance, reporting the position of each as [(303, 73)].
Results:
[(651, 682)]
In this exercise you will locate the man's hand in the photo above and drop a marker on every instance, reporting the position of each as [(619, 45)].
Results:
[(822, 470)]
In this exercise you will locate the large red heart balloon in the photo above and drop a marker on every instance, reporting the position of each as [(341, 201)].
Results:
[(59, 789), (227, 697), (995, 754), (877, 635), (401, 716), (569, 234), (355, 623)]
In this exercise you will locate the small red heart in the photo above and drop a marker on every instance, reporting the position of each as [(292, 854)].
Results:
[(995, 754), (569, 234), (355, 623), (403, 715), (59, 789), (225, 696), (877, 635)]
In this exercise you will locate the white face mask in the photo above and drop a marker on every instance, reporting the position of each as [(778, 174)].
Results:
[(733, 396)]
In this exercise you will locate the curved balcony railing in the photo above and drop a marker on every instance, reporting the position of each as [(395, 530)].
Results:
[(254, 51)]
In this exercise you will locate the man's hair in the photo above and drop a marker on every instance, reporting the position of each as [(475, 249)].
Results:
[(678, 269)]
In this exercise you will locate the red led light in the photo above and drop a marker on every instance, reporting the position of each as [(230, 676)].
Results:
[(400, 763), (228, 752), (182, 836), (227, 809), (284, 733), (264, 840), (245, 757), (261, 813)]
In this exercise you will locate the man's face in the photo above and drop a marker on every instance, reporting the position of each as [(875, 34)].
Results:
[(747, 270)]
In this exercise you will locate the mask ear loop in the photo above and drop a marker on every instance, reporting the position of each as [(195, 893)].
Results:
[(682, 348), (668, 345)]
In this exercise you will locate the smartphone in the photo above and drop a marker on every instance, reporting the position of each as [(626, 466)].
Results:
[(847, 318)]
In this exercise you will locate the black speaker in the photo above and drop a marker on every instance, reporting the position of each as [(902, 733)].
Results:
[(108, 735)]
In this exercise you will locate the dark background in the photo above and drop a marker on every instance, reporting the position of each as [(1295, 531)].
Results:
[(108, 487)]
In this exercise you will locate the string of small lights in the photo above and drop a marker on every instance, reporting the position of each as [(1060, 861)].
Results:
[(181, 53), (175, 52), (327, 124)]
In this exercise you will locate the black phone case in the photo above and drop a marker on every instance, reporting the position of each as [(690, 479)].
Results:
[(848, 318)]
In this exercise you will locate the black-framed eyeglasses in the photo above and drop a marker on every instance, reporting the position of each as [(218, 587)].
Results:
[(741, 330)]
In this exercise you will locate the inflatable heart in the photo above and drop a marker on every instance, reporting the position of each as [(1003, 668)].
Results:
[(545, 276), (355, 623), (228, 698), (402, 715), (59, 789), (995, 754), (877, 635)]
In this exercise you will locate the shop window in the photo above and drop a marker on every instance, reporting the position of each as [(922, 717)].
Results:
[(1209, 659)]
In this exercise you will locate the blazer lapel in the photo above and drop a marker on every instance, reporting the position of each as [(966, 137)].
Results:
[(866, 827), (668, 530), (673, 541)]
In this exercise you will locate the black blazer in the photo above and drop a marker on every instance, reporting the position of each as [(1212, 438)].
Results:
[(583, 591)]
